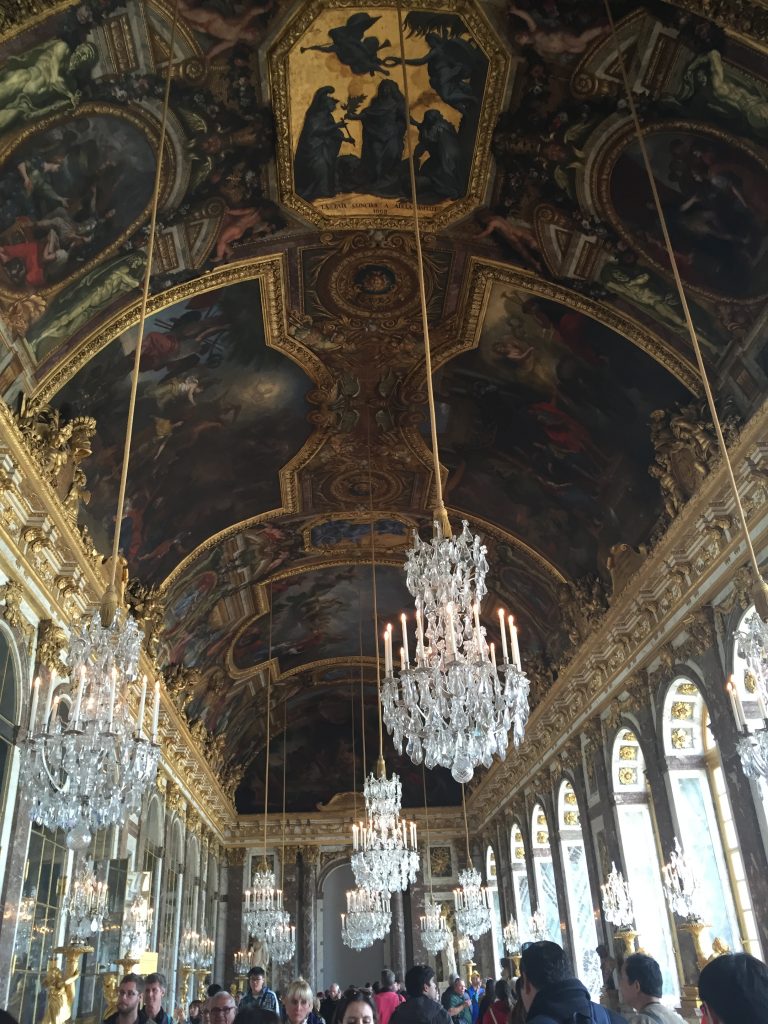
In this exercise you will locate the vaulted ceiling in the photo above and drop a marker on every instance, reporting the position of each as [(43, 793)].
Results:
[(281, 441)]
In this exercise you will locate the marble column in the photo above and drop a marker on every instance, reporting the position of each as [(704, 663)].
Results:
[(310, 857), (232, 884), (397, 935)]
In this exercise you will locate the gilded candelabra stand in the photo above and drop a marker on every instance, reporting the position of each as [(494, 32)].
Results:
[(186, 973)]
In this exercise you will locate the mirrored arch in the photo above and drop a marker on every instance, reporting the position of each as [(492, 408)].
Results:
[(581, 913), (545, 875), (520, 884), (639, 845), (704, 819), (497, 935)]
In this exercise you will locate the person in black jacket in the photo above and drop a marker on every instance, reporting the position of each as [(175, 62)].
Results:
[(422, 1005), (733, 989), (550, 993)]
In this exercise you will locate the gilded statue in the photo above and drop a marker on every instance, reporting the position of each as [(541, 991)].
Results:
[(61, 993)]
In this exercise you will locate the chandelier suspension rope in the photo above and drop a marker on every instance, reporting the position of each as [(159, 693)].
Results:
[(269, 703), (440, 510), (110, 602), (760, 594), (380, 763), (435, 934)]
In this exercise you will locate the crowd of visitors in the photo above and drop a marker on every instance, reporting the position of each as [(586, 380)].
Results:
[(733, 989)]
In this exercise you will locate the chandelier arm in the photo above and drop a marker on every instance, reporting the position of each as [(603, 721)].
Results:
[(110, 599), (440, 510), (760, 593)]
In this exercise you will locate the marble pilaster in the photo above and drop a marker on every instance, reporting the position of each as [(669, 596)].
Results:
[(310, 857)]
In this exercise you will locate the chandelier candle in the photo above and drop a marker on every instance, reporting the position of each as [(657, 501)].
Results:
[(738, 710)]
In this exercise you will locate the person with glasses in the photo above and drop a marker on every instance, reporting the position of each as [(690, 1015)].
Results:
[(128, 994), (259, 995), (733, 989), (222, 1008)]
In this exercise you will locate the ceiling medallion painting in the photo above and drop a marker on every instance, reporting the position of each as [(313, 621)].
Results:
[(58, 209), (336, 75), (713, 188)]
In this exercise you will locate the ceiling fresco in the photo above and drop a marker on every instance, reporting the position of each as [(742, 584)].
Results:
[(281, 423)]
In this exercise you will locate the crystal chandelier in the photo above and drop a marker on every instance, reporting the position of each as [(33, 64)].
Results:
[(473, 904), (368, 918), (282, 946), (137, 925), (681, 888), (24, 921), (243, 959), (537, 926), (752, 746), (264, 912), (511, 937), (92, 770), (86, 904), (433, 928), (466, 949), (453, 705), (385, 858), (617, 901), (189, 947)]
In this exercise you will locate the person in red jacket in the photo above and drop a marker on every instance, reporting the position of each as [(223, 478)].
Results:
[(499, 1010), (387, 999)]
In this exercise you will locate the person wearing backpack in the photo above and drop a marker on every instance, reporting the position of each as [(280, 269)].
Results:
[(551, 994), (640, 987)]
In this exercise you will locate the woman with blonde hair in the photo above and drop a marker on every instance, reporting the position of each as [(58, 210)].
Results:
[(298, 1001)]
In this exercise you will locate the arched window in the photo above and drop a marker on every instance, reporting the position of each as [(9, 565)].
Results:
[(640, 850), (152, 861), (497, 934), (192, 884), (9, 720), (520, 884), (703, 815), (545, 875), (746, 692), (580, 909)]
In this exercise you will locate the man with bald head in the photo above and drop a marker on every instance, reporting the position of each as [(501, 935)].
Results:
[(222, 1008)]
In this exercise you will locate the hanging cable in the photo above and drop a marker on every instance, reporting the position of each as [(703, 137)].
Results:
[(466, 826), (426, 817), (380, 768), (285, 761), (760, 592), (269, 696), (440, 511), (111, 598)]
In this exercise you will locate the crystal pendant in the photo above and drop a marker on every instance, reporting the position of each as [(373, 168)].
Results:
[(282, 946), (454, 703)]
